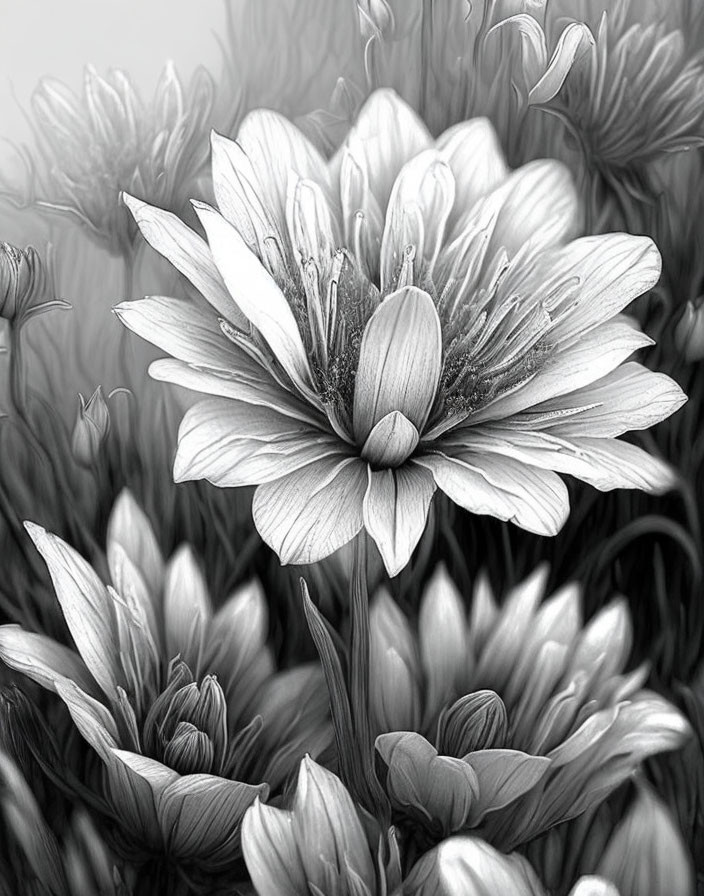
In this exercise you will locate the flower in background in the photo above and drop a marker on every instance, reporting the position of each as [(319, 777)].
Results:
[(36, 860), (24, 285), (410, 316), (323, 844), (181, 704), (689, 332), (625, 85), (90, 429), (91, 147), (515, 720)]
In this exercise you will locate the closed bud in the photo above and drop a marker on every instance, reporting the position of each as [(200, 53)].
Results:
[(476, 721), (21, 280), (689, 332), (90, 429)]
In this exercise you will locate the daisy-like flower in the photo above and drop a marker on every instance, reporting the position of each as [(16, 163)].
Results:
[(513, 720), (182, 705), (622, 80), (411, 315), (325, 844), (92, 146)]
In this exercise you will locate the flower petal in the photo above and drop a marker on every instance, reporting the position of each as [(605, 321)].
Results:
[(503, 775), (501, 487), (271, 852), (392, 440), (575, 40), (201, 815), (400, 360), (310, 513), (187, 608), (86, 605), (187, 252), (90, 716), (395, 511), (130, 528), (256, 293), (232, 443), (42, 659), (185, 330)]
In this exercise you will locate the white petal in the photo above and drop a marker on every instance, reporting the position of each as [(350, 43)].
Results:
[(42, 659), (257, 295), (395, 512), (391, 441), (575, 40), (90, 716), (271, 852), (130, 528), (501, 487), (232, 443), (187, 608), (307, 515), (86, 605), (400, 360), (187, 252)]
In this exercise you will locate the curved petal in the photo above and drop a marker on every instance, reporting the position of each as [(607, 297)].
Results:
[(130, 528), (187, 252), (91, 717), (575, 40), (504, 776), (391, 441), (386, 134), (187, 608), (395, 511), (271, 852), (533, 499), (183, 329), (310, 513), (232, 443), (258, 296), (43, 660), (400, 361), (87, 607)]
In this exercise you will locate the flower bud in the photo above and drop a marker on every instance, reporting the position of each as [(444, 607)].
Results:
[(474, 722), (90, 429), (689, 332), (21, 280)]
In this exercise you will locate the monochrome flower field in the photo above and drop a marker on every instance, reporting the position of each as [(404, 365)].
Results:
[(351, 509)]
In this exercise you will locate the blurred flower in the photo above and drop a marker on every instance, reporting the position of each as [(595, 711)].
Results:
[(459, 340), (90, 429), (322, 845), (515, 720), (91, 147), (44, 864), (646, 855), (689, 332), (182, 705), (23, 285), (467, 866), (627, 89)]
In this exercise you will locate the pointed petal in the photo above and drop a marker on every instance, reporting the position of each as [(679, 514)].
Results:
[(86, 605), (43, 660), (575, 40), (90, 716), (310, 513), (258, 296), (130, 528), (395, 511), (271, 852), (232, 443), (187, 608), (535, 500), (187, 252), (503, 776), (400, 360), (184, 329), (392, 440)]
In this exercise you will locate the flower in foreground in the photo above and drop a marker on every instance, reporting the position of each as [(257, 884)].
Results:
[(323, 844), (93, 145), (182, 705), (513, 720), (409, 316)]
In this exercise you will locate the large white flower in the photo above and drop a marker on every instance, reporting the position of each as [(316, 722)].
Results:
[(459, 339)]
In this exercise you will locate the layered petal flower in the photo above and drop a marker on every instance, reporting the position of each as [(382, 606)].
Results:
[(182, 704), (514, 719), (405, 317)]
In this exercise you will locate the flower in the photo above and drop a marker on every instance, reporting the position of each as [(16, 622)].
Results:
[(689, 332), (459, 340), (515, 720), (627, 89), (91, 147), (23, 285), (91, 428), (321, 845), (182, 706), (36, 860), (467, 866)]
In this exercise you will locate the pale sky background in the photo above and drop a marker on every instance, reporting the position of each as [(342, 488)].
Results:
[(59, 37)]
